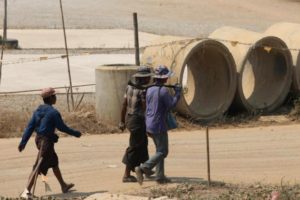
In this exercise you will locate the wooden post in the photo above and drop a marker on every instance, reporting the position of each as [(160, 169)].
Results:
[(5, 21), (136, 39), (35, 172), (67, 53), (208, 155)]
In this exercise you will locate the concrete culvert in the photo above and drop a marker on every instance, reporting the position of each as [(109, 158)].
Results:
[(289, 33), (111, 82), (264, 68), (207, 71)]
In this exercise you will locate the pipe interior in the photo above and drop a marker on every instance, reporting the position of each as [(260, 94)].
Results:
[(264, 76), (297, 68), (206, 80)]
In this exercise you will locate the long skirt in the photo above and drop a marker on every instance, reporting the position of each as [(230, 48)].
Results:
[(46, 148), (137, 152)]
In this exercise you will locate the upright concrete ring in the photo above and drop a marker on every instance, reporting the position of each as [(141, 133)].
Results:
[(264, 68), (206, 69), (111, 82), (289, 33)]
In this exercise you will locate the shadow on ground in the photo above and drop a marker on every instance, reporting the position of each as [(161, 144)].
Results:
[(72, 195), (191, 180)]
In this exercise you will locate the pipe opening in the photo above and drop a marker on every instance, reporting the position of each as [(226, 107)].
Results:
[(264, 75), (297, 71), (207, 79)]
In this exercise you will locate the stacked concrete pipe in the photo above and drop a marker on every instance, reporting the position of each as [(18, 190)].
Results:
[(289, 33), (211, 74), (111, 82), (264, 68)]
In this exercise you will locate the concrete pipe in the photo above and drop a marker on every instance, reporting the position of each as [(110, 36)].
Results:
[(264, 68), (289, 33), (111, 82), (206, 70)]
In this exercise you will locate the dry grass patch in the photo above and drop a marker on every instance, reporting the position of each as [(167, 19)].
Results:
[(222, 191), (13, 123)]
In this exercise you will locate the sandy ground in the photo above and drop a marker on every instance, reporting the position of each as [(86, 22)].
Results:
[(266, 154), (172, 17)]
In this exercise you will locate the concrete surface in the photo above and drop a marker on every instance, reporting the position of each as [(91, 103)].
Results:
[(53, 72), (264, 76), (111, 82), (172, 17), (289, 33), (205, 68), (93, 163), (78, 38)]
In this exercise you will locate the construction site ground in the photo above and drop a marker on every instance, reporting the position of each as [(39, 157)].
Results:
[(267, 154), (93, 162)]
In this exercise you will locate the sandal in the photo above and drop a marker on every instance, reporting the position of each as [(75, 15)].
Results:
[(26, 195), (129, 179), (67, 187)]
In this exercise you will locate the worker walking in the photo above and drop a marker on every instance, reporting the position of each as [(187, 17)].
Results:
[(158, 103), (133, 113), (44, 122)]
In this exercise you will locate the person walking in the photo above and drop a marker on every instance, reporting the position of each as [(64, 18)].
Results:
[(159, 101), (133, 117), (44, 121)]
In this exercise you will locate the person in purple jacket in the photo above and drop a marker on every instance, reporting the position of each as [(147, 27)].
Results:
[(159, 101), (44, 121)]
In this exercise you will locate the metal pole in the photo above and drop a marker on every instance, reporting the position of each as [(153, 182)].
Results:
[(136, 39), (5, 21), (1, 60), (67, 53), (4, 37), (208, 155)]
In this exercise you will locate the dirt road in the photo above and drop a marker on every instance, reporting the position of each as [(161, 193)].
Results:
[(173, 17), (265, 154)]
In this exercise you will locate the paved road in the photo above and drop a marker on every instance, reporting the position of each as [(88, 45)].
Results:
[(172, 17), (265, 154)]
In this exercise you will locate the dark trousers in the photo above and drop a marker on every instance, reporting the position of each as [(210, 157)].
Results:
[(137, 152)]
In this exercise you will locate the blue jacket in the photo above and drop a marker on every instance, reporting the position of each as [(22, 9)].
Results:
[(44, 121), (158, 103)]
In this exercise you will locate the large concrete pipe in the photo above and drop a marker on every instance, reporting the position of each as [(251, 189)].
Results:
[(264, 68), (289, 33), (111, 82), (207, 70)]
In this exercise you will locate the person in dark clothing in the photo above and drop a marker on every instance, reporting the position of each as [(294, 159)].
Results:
[(44, 121), (133, 112)]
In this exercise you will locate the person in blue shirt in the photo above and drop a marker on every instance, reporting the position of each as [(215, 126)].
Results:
[(44, 121), (159, 101)]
